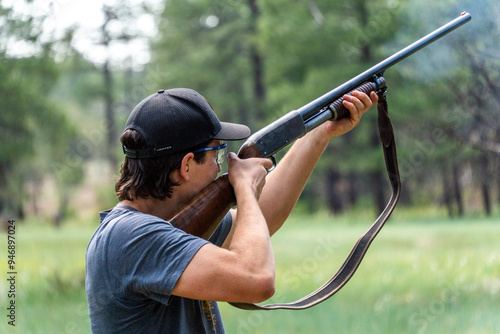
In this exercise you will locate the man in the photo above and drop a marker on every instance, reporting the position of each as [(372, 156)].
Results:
[(145, 276)]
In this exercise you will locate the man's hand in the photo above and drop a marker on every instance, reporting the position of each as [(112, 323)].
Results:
[(247, 174), (357, 104)]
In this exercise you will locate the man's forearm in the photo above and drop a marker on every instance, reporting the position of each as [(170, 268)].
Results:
[(285, 184), (251, 243)]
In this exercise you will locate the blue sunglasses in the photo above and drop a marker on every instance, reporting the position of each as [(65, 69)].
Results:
[(220, 154)]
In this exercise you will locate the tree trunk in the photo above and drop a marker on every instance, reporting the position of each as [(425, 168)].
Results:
[(110, 118), (259, 91), (496, 162), (497, 166), (108, 91), (376, 178), (334, 199), (485, 183), (377, 185), (447, 194), (352, 188), (457, 189)]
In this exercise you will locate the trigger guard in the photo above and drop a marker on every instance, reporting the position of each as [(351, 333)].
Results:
[(273, 159)]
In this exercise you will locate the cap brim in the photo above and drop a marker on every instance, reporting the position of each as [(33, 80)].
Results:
[(232, 131)]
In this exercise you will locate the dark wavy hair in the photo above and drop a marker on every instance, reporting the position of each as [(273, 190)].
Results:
[(143, 178)]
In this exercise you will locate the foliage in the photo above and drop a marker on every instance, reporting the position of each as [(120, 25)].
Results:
[(217, 48), (312, 47), (255, 60), (453, 127), (33, 128)]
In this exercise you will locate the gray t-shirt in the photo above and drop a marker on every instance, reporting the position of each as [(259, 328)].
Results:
[(133, 262)]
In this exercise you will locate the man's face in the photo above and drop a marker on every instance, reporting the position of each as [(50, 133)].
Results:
[(202, 174)]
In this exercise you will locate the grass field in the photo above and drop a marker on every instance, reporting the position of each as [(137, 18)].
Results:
[(431, 276)]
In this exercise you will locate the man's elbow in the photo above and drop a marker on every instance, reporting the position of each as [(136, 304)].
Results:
[(268, 290), (264, 289)]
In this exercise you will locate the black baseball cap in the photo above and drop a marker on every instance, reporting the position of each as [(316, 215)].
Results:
[(176, 120)]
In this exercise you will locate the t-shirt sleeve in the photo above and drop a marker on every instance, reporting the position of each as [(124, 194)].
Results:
[(146, 260)]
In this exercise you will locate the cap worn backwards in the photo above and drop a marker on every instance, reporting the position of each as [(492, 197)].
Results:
[(175, 120)]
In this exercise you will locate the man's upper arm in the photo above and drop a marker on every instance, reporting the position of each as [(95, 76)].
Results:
[(215, 273)]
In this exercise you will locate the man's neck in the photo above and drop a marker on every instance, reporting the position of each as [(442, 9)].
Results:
[(160, 208)]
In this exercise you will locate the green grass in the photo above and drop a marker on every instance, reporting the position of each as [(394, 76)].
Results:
[(432, 276), (50, 263)]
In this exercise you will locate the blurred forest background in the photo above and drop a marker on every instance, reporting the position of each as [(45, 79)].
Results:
[(66, 92)]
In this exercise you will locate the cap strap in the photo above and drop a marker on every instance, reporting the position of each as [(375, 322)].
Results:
[(144, 153)]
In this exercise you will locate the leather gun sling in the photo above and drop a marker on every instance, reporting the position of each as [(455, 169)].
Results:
[(352, 262)]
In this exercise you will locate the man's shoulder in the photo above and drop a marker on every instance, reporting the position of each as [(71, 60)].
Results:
[(126, 214), (123, 222)]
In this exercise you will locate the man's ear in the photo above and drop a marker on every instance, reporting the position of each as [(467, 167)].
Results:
[(184, 169)]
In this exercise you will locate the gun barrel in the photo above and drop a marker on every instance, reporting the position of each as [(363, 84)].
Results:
[(309, 109)]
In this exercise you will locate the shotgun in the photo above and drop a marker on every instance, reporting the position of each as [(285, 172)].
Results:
[(205, 212)]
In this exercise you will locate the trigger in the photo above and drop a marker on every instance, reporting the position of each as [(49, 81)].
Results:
[(273, 159)]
